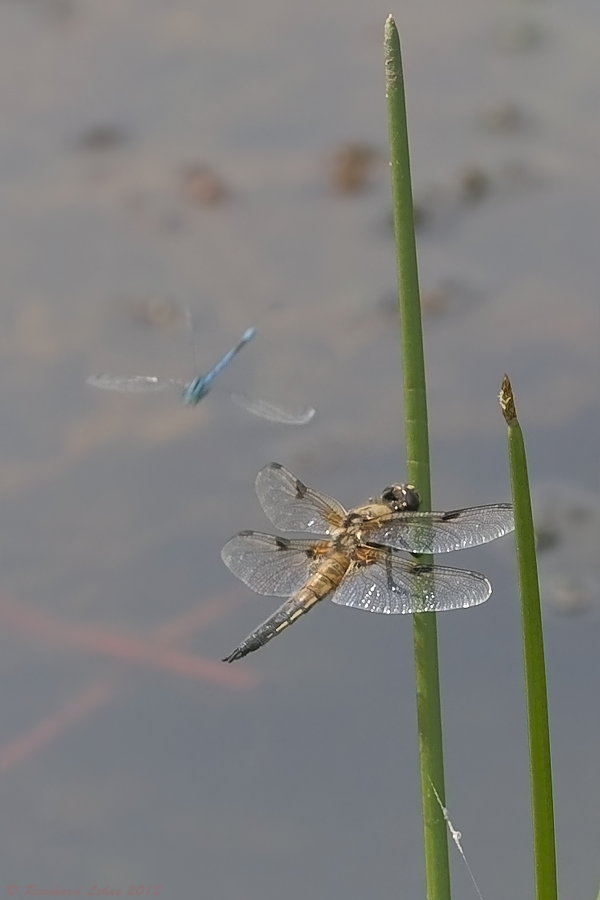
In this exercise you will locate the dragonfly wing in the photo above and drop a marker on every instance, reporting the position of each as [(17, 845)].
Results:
[(292, 506), (286, 415), (272, 565), (441, 532), (391, 584), (138, 384)]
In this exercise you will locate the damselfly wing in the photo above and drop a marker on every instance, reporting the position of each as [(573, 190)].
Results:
[(192, 392)]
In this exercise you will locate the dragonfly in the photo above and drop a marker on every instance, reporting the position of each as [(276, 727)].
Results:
[(357, 559), (192, 392)]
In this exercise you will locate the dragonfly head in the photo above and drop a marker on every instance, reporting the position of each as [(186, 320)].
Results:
[(401, 497), (193, 392)]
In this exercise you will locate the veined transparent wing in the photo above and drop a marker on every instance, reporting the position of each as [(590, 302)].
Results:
[(441, 532), (390, 584), (286, 415), (136, 384), (272, 565), (292, 506)]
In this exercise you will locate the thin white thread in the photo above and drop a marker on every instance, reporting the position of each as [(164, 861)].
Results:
[(456, 836)]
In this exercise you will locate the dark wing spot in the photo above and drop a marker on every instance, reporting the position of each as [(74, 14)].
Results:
[(454, 514), (244, 533), (300, 489), (282, 543), (275, 466)]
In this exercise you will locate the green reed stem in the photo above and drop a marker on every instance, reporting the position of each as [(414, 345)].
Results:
[(540, 770), (437, 870)]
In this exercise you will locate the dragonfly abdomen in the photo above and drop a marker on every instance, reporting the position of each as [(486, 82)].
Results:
[(286, 615), (328, 575), (318, 586)]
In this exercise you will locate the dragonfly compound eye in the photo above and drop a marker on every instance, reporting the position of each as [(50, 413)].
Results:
[(402, 497)]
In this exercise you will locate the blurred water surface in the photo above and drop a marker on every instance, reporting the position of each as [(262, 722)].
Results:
[(155, 155)]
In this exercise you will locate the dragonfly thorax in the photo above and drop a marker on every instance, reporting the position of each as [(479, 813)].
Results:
[(346, 540), (349, 535), (195, 391)]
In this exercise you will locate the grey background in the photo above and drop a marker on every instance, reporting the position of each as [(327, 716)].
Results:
[(293, 773)]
